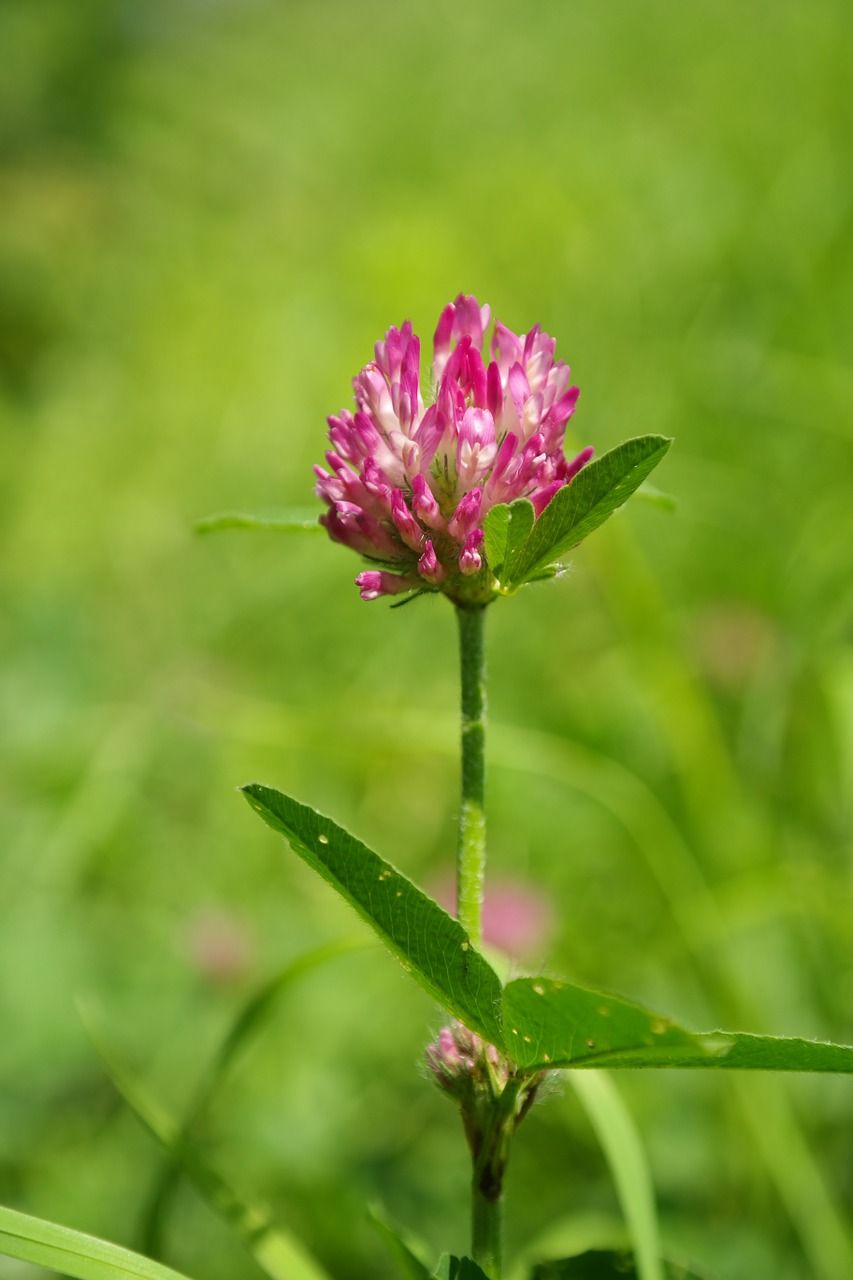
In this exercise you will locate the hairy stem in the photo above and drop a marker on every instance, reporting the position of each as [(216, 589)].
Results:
[(471, 852), (486, 1229), (486, 1183)]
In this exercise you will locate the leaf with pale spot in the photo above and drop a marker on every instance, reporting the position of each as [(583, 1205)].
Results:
[(538, 1022), (432, 946), (556, 1024)]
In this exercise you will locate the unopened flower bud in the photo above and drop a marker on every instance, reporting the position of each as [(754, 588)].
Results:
[(466, 514), (407, 526), (470, 560), (372, 584), (424, 504), (429, 565), (462, 1062)]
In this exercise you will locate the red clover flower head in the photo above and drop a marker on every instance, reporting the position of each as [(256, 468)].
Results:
[(409, 484)]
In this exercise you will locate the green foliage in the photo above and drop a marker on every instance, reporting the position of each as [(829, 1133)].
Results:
[(558, 1024), (507, 528), (549, 1023), (554, 1023), (601, 1265), (680, 219), (432, 946), (540, 1023), (524, 550), (72, 1253)]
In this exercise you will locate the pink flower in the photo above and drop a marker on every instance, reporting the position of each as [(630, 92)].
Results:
[(409, 485)]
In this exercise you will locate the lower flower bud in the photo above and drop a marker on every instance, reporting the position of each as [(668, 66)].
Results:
[(372, 584)]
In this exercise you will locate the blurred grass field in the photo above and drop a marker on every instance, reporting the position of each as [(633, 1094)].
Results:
[(208, 213)]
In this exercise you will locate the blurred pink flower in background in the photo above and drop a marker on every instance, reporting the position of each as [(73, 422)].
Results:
[(218, 945), (409, 484), (517, 919), (733, 641)]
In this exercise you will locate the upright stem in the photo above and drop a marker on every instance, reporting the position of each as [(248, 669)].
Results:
[(486, 1230), (491, 1152), (487, 1152), (471, 852)]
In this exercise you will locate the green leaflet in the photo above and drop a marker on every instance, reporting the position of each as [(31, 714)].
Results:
[(72, 1253), (495, 527), (299, 521), (432, 946), (558, 1024), (507, 528), (579, 508), (539, 1022)]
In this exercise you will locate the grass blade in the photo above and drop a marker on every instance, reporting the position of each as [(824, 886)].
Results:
[(73, 1253), (623, 1148), (400, 1246), (276, 1252), (301, 521)]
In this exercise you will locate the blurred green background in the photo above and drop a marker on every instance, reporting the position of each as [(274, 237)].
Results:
[(208, 213)]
